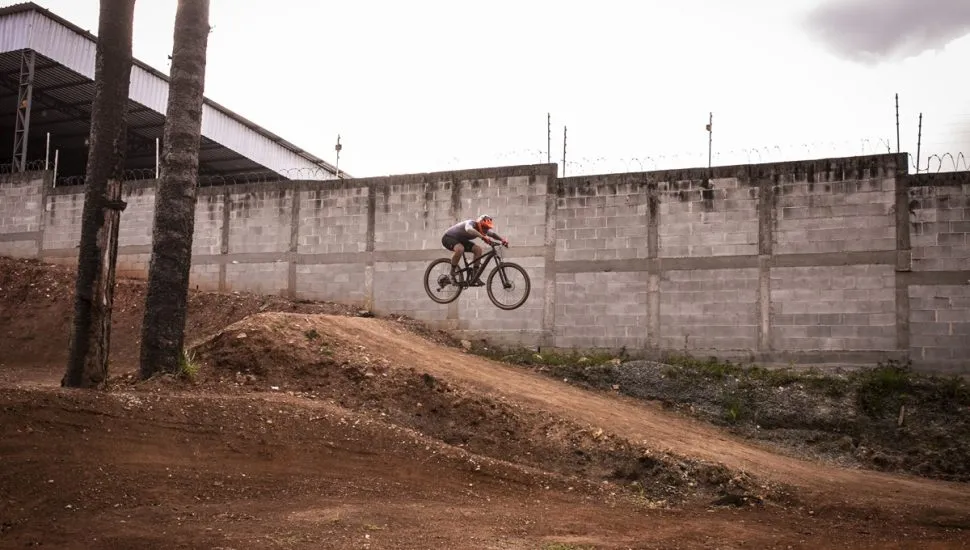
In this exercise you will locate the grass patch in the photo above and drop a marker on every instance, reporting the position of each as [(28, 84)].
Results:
[(734, 409), (884, 389), (188, 366), (311, 334), (528, 357)]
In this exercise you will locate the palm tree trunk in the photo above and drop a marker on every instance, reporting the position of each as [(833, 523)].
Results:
[(163, 326), (87, 365)]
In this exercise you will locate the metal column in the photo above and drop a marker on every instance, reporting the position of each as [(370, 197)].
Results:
[(25, 93)]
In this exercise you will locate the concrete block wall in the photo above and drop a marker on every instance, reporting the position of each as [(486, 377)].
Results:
[(834, 308), (21, 214), (940, 223), (702, 218), (711, 311), (607, 310), (410, 216), (938, 292), (260, 219), (135, 229), (831, 214), (939, 324), (62, 225), (331, 220), (816, 262), (601, 218)]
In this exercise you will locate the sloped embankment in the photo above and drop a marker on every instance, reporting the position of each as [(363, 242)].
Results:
[(307, 356)]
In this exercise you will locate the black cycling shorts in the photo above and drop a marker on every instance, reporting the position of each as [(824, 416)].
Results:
[(449, 243)]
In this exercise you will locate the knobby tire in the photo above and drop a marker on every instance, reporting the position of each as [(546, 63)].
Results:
[(428, 283), (492, 276)]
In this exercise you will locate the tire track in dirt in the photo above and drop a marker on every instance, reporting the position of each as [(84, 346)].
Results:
[(648, 423)]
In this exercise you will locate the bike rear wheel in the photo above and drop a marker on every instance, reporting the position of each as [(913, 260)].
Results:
[(507, 281), (438, 284)]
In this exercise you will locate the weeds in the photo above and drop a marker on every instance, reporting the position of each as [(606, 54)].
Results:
[(884, 389), (188, 366), (892, 416), (733, 409), (311, 334), (527, 357)]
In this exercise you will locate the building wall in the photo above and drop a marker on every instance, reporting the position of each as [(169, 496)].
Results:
[(829, 261)]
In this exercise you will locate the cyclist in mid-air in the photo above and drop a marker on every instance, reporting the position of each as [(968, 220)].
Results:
[(459, 238)]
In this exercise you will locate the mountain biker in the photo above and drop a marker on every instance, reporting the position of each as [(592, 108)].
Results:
[(458, 239)]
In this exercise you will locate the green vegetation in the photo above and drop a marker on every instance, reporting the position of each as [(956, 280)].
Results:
[(528, 357), (887, 416), (188, 366)]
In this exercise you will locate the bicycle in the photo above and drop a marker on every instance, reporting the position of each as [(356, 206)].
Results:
[(504, 270)]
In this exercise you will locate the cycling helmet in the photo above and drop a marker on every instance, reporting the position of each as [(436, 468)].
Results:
[(485, 222)]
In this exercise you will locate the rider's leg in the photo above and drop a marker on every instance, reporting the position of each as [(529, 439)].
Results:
[(478, 251), (456, 257), (458, 250)]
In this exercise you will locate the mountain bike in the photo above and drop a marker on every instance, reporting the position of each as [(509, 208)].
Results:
[(505, 279)]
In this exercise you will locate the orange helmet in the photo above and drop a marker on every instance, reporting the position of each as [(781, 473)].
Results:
[(485, 223)]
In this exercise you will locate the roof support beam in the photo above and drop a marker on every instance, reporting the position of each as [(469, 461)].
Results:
[(67, 85), (53, 103), (25, 96)]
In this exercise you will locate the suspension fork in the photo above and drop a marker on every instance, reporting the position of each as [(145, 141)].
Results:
[(501, 272)]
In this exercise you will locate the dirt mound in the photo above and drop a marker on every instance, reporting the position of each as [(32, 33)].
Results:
[(314, 356), (36, 304), (317, 357)]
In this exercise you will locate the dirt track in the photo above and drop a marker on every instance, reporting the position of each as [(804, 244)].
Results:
[(225, 465), (654, 426)]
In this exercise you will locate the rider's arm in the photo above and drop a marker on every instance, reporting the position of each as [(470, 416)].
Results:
[(470, 229), (498, 237)]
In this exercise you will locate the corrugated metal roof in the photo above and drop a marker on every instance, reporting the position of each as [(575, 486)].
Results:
[(29, 26)]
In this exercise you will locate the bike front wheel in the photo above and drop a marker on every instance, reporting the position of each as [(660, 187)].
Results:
[(438, 283), (508, 286)]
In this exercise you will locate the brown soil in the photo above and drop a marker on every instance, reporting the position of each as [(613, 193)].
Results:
[(310, 426)]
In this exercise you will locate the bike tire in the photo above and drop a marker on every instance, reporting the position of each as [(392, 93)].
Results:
[(491, 278), (427, 282)]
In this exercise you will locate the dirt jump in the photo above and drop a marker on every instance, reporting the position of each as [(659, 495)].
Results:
[(310, 425)]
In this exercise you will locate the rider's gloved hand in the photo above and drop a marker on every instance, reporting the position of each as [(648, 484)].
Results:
[(505, 242)]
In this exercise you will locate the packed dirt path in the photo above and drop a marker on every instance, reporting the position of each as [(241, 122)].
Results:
[(658, 428), (227, 465)]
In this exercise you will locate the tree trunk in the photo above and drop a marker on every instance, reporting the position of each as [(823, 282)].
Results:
[(87, 365), (163, 327)]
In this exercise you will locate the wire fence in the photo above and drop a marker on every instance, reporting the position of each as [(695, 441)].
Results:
[(946, 162), (927, 163), (590, 165)]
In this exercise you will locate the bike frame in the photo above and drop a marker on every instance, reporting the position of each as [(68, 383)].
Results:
[(486, 259)]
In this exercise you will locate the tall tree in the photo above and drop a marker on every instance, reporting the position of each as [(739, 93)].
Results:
[(163, 327), (87, 364)]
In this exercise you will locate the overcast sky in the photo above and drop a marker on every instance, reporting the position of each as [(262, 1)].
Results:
[(431, 85)]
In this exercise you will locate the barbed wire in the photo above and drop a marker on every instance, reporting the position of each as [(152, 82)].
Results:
[(946, 162), (928, 162), (30, 166), (667, 160)]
